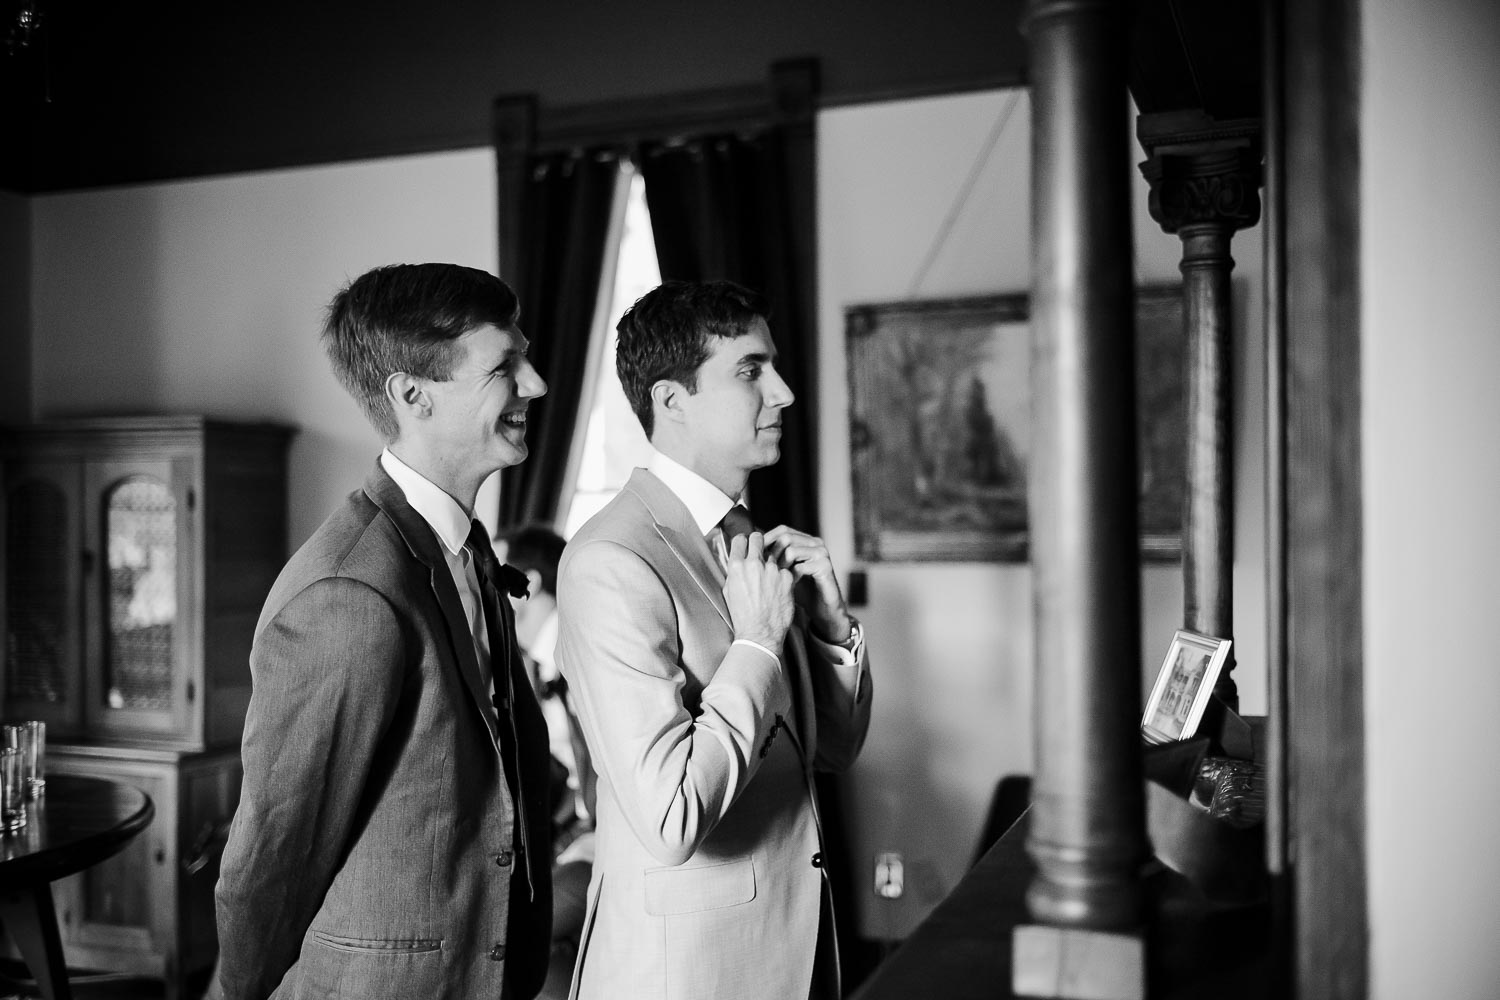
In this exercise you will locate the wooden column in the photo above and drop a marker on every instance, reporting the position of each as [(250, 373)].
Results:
[(1087, 820), (1205, 179)]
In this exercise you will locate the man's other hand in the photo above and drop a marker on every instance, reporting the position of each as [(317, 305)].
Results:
[(807, 558)]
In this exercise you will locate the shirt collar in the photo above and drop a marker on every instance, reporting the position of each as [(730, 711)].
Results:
[(441, 512), (705, 502)]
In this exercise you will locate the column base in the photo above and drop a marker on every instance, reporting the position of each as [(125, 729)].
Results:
[(1061, 963)]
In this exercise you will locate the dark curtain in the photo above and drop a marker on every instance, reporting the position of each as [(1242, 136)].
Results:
[(723, 207), (565, 215), (729, 206)]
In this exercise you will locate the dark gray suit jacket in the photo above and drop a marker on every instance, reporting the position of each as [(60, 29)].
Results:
[(373, 853)]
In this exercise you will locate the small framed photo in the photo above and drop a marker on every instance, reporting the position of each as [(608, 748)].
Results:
[(1183, 686)]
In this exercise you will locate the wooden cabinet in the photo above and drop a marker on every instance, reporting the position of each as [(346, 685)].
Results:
[(149, 910), (136, 555)]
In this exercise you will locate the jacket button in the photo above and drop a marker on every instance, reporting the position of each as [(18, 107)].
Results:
[(497, 953), (503, 859), (817, 860)]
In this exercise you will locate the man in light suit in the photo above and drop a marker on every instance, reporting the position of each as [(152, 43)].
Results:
[(712, 671), (391, 840)]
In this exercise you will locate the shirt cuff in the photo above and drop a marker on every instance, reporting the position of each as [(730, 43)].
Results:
[(755, 645), (845, 654)]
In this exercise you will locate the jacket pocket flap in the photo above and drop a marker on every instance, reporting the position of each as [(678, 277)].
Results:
[(706, 887)]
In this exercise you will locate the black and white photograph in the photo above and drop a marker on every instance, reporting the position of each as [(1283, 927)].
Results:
[(655, 500)]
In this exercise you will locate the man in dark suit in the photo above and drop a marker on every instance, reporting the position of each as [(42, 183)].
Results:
[(392, 837)]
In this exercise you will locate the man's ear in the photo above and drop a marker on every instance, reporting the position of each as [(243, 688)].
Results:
[(666, 399), (408, 395)]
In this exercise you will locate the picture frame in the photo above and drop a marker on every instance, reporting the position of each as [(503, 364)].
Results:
[(940, 426), (1183, 686)]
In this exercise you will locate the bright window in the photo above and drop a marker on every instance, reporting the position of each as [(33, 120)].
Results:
[(613, 443)]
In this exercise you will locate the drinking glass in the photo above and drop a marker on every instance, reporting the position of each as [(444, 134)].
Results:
[(34, 752), (12, 788)]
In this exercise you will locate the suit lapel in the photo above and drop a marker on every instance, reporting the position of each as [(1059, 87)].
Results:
[(676, 527), (424, 547)]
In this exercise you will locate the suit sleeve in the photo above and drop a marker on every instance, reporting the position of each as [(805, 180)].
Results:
[(327, 673), (842, 691), (675, 773)]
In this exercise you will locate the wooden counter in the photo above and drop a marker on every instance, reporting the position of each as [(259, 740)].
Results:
[(962, 951)]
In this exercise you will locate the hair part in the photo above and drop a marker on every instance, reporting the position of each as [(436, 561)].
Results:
[(407, 318), (665, 335), (536, 547)]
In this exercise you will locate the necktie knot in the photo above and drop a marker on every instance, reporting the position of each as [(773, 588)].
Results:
[(736, 523)]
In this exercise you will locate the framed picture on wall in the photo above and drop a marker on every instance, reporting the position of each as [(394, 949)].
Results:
[(1183, 686), (940, 426)]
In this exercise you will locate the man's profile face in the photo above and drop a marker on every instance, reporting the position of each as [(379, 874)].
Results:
[(479, 412), (734, 419)]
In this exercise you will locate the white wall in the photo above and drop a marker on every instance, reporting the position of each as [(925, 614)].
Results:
[(1430, 417), (952, 643), (15, 308), (207, 296)]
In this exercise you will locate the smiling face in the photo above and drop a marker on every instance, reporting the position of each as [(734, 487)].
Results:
[(731, 425), (478, 414)]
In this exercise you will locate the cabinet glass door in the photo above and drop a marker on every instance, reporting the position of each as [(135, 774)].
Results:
[(140, 532), (136, 678)]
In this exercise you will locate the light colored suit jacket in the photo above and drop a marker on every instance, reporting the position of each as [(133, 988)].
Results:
[(708, 875), (372, 856)]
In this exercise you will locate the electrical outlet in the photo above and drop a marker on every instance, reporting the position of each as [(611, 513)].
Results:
[(858, 589), (890, 875)]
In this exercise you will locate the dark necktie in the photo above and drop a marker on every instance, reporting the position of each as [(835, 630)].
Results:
[(735, 523), (493, 577)]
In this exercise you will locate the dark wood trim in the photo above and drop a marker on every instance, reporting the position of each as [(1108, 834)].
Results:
[(1273, 97), (634, 120), (1274, 304), (1325, 732), (792, 95)]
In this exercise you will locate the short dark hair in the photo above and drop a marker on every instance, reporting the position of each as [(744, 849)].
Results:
[(406, 318), (665, 335), (538, 547)]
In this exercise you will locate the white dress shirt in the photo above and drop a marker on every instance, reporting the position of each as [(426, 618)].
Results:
[(451, 526)]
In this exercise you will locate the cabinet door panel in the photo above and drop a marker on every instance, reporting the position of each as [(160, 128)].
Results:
[(42, 585), (119, 915), (138, 514)]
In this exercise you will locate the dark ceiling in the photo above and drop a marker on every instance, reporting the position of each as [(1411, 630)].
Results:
[(110, 92), (1203, 56)]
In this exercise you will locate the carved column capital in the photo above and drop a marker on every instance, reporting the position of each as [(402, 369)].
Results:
[(1201, 172)]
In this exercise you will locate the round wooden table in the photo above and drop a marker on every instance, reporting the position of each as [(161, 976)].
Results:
[(78, 823)]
